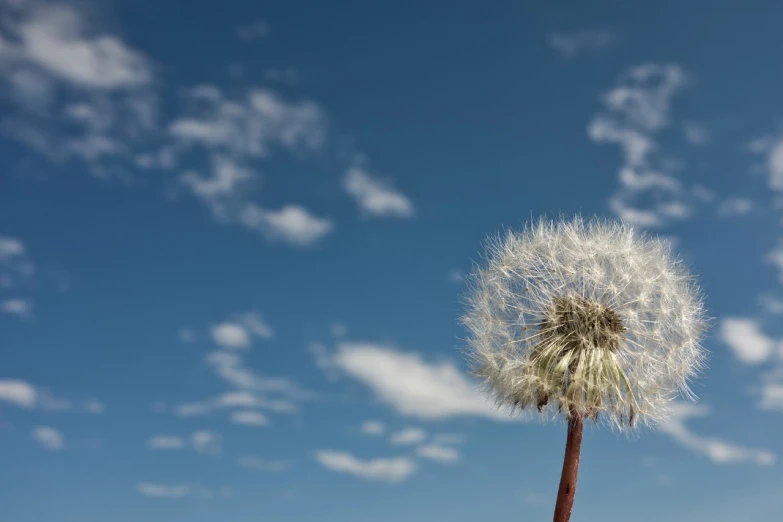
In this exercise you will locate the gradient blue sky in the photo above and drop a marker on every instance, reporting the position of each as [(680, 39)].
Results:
[(233, 236)]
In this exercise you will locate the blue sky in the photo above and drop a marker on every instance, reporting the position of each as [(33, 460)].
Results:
[(233, 241)]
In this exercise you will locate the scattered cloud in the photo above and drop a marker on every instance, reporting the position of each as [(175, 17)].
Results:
[(49, 438), (716, 450), (291, 224), (771, 304), (637, 108), (166, 442), (163, 491), (235, 399), (205, 441), (573, 44), (749, 344), (22, 308), (373, 428), (442, 454), (376, 197), (79, 93), (18, 393), (735, 207), (412, 386), (238, 333), (15, 264), (253, 462), (253, 30), (408, 436), (249, 418), (338, 330), (392, 470), (771, 148)]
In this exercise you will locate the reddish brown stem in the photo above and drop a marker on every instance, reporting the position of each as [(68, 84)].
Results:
[(567, 490)]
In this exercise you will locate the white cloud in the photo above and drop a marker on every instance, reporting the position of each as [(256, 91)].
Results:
[(205, 441), (735, 207), (442, 454), (18, 393), (408, 436), (238, 332), (376, 196), (236, 399), (166, 442), (636, 109), (373, 428), (390, 470), (772, 148), (49, 438), (53, 37), (230, 335), (745, 338), (249, 418), (231, 368), (19, 307), (253, 30), (253, 462), (571, 45), (163, 491), (291, 224), (15, 264), (716, 450), (412, 386)]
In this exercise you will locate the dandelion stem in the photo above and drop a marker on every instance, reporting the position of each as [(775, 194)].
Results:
[(567, 489)]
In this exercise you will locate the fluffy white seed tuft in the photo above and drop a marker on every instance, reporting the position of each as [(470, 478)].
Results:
[(586, 318)]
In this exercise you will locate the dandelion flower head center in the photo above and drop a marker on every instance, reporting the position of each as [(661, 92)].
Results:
[(576, 323)]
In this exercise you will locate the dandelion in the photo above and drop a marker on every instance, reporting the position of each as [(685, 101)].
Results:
[(584, 320)]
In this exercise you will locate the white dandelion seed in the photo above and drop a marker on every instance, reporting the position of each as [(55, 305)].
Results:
[(585, 318)]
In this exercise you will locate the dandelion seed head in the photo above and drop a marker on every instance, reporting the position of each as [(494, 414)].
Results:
[(584, 317)]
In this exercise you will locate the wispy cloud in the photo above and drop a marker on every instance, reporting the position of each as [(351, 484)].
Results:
[(249, 418), (716, 450), (373, 428), (637, 108), (166, 442), (573, 44), (18, 393), (238, 333), (52, 54), (375, 196), (412, 386), (49, 438), (746, 339), (149, 489), (408, 436), (771, 148), (438, 453), (22, 308), (735, 207), (205, 441), (392, 470)]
